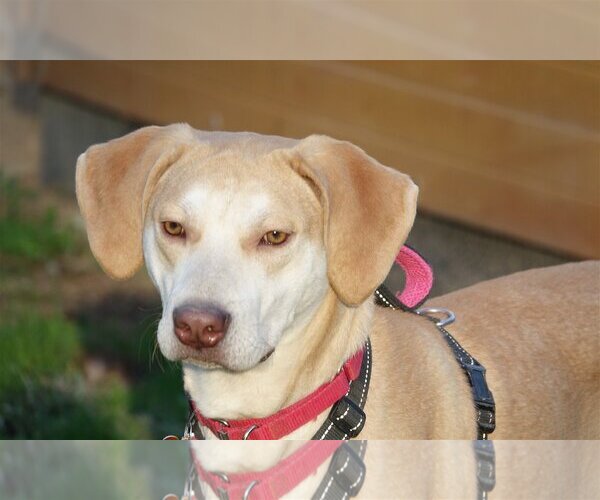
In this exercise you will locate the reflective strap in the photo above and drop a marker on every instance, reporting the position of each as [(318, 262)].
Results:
[(346, 418), (346, 473)]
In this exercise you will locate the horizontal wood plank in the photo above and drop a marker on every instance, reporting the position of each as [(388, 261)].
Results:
[(509, 147)]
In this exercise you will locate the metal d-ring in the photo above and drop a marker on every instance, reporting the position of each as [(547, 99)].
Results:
[(249, 489), (249, 431), (222, 475), (221, 434), (431, 311)]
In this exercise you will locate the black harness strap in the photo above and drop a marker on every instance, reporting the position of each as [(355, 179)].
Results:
[(482, 396), (475, 372), (347, 418), (346, 473)]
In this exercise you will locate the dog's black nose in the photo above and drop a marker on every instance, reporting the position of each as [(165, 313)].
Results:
[(200, 326)]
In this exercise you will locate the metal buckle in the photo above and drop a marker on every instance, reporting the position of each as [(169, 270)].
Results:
[(485, 456), (483, 398), (481, 391), (349, 419), (347, 469)]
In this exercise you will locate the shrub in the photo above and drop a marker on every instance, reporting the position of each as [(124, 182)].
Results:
[(33, 347), (30, 238), (44, 395)]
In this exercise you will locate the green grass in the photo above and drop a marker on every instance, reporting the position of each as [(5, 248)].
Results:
[(32, 239), (121, 330), (46, 391), (43, 393), (35, 347)]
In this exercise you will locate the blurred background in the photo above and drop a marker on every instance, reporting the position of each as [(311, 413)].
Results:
[(506, 154)]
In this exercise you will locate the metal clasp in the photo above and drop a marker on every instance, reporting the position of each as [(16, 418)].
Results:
[(430, 312)]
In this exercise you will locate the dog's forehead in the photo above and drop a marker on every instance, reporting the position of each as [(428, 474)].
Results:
[(246, 206), (247, 143), (235, 169), (229, 171)]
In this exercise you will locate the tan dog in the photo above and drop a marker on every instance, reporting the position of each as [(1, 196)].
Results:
[(266, 252), (425, 469)]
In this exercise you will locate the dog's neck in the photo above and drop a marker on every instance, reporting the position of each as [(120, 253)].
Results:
[(307, 356)]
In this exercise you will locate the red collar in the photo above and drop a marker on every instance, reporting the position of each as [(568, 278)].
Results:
[(292, 417), (272, 483)]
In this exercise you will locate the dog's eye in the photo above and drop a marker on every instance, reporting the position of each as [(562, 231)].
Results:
[(173, 228), (274, 238)]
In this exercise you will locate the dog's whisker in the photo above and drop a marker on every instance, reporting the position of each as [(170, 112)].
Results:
[(149, 329), (156, 355)]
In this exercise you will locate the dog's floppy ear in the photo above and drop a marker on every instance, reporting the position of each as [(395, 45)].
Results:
[(368, 209), (113, 182)]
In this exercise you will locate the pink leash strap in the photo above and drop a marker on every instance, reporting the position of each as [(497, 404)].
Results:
[(419, 277)]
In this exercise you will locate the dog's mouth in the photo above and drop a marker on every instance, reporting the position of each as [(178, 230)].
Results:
[(266, 356), (211, 363)]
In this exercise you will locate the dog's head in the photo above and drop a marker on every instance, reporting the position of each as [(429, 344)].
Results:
[(242, 234)]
